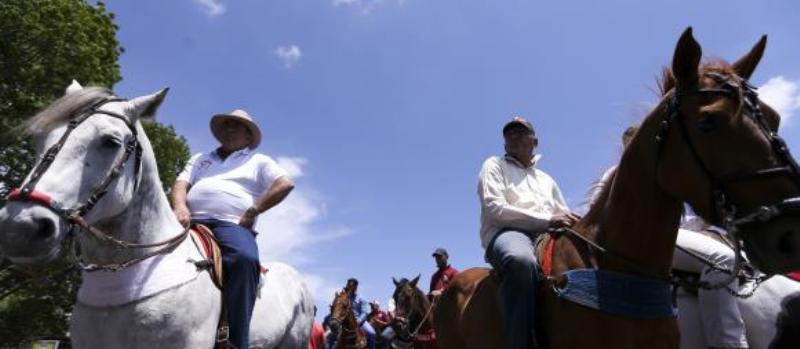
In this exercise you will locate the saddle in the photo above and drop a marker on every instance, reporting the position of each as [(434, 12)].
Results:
[(205, 241)]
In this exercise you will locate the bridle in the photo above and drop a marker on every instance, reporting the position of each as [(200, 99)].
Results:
[(408, 336), (723, 208), (75, 215)]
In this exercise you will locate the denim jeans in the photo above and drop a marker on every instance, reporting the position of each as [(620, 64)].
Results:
[(240, 266), (511, 255), (370, 333)]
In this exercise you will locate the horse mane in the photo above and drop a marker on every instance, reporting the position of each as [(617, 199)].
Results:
[(666, 83), (64, 108)]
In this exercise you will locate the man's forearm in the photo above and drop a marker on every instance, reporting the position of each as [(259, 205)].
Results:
[(508, 216), (178, 194), (274, 195)]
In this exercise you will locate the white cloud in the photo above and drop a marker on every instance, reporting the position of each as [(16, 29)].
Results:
[(212, 8), (293, 231), (782, 95), (289, 54), (366, 6), (292, 165)]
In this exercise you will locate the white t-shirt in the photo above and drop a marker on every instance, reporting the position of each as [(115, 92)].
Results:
[(513, 197), (224, 190)]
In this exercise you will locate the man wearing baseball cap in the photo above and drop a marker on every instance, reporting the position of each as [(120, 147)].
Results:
[(518, 202), (444, 272), (226, 189)]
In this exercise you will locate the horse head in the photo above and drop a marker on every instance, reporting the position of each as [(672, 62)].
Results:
[(340, 310), (89, 149), (411, 305), (718, 149)]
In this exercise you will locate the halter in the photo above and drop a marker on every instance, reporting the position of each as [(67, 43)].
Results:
[(723, 208), (76, 215), (28, 192)]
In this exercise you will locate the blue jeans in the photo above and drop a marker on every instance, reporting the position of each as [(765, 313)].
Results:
[(511, 255), (240, 266), (370, 333)]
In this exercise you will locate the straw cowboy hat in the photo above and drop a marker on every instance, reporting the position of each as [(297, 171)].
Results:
[(241, 116)]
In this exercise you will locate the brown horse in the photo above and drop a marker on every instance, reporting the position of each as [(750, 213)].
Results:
[(709, 142), (413, 320), (343, 321)]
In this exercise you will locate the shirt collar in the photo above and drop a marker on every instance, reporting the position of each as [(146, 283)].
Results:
[(241, 152), (516, 162)]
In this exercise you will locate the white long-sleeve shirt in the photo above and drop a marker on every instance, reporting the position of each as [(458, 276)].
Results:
[(515, 197)]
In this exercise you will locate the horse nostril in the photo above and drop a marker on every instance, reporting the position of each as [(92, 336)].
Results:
[(45, 228)]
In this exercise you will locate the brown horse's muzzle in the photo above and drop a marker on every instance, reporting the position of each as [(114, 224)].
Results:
[(773, 245)]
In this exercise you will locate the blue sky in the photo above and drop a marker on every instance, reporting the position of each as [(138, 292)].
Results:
[(384, 110)]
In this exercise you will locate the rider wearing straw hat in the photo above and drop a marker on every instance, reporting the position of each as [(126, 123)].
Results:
[(226, 189)]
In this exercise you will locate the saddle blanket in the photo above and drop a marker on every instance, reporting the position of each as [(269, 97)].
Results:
[(618, 293)]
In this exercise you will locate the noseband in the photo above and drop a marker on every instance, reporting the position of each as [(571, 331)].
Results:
[(75, 215)]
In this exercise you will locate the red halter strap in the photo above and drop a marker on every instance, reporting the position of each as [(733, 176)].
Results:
[(34, 196)]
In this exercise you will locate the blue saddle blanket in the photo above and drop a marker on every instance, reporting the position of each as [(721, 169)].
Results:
[(618, 293)]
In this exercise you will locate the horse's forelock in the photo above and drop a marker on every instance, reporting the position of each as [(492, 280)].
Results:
[(666, 82), (63, 109)]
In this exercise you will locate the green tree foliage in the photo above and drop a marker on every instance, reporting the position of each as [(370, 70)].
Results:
[(171, 151), (44, 44)]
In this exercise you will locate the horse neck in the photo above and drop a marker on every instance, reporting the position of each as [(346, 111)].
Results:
[(147, 219), (639, 221), (349, 323), (421, 308)]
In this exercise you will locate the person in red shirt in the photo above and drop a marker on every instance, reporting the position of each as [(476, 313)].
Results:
[(441, 278), (317, 340), (378, 315)]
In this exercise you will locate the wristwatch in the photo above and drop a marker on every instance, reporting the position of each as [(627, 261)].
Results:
[(251, 212)]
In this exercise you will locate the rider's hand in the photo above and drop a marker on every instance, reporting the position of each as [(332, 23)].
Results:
[(436, 293), (247, 221), (183, 215), (248, 218), (564, 220)]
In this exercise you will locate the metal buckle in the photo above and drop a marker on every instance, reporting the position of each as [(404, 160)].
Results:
[(223, 334)]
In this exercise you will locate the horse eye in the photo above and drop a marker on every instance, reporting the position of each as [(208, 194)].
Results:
[(706, 124), (111, 142)]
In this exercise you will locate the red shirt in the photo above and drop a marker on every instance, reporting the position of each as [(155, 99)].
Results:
[(380, 315), (441, 278), (317, 340)]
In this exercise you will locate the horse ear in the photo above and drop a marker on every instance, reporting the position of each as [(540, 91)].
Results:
[(414, 282), (686, 61), (145, 107), (745, 66), (395, 282), (73, 87)]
